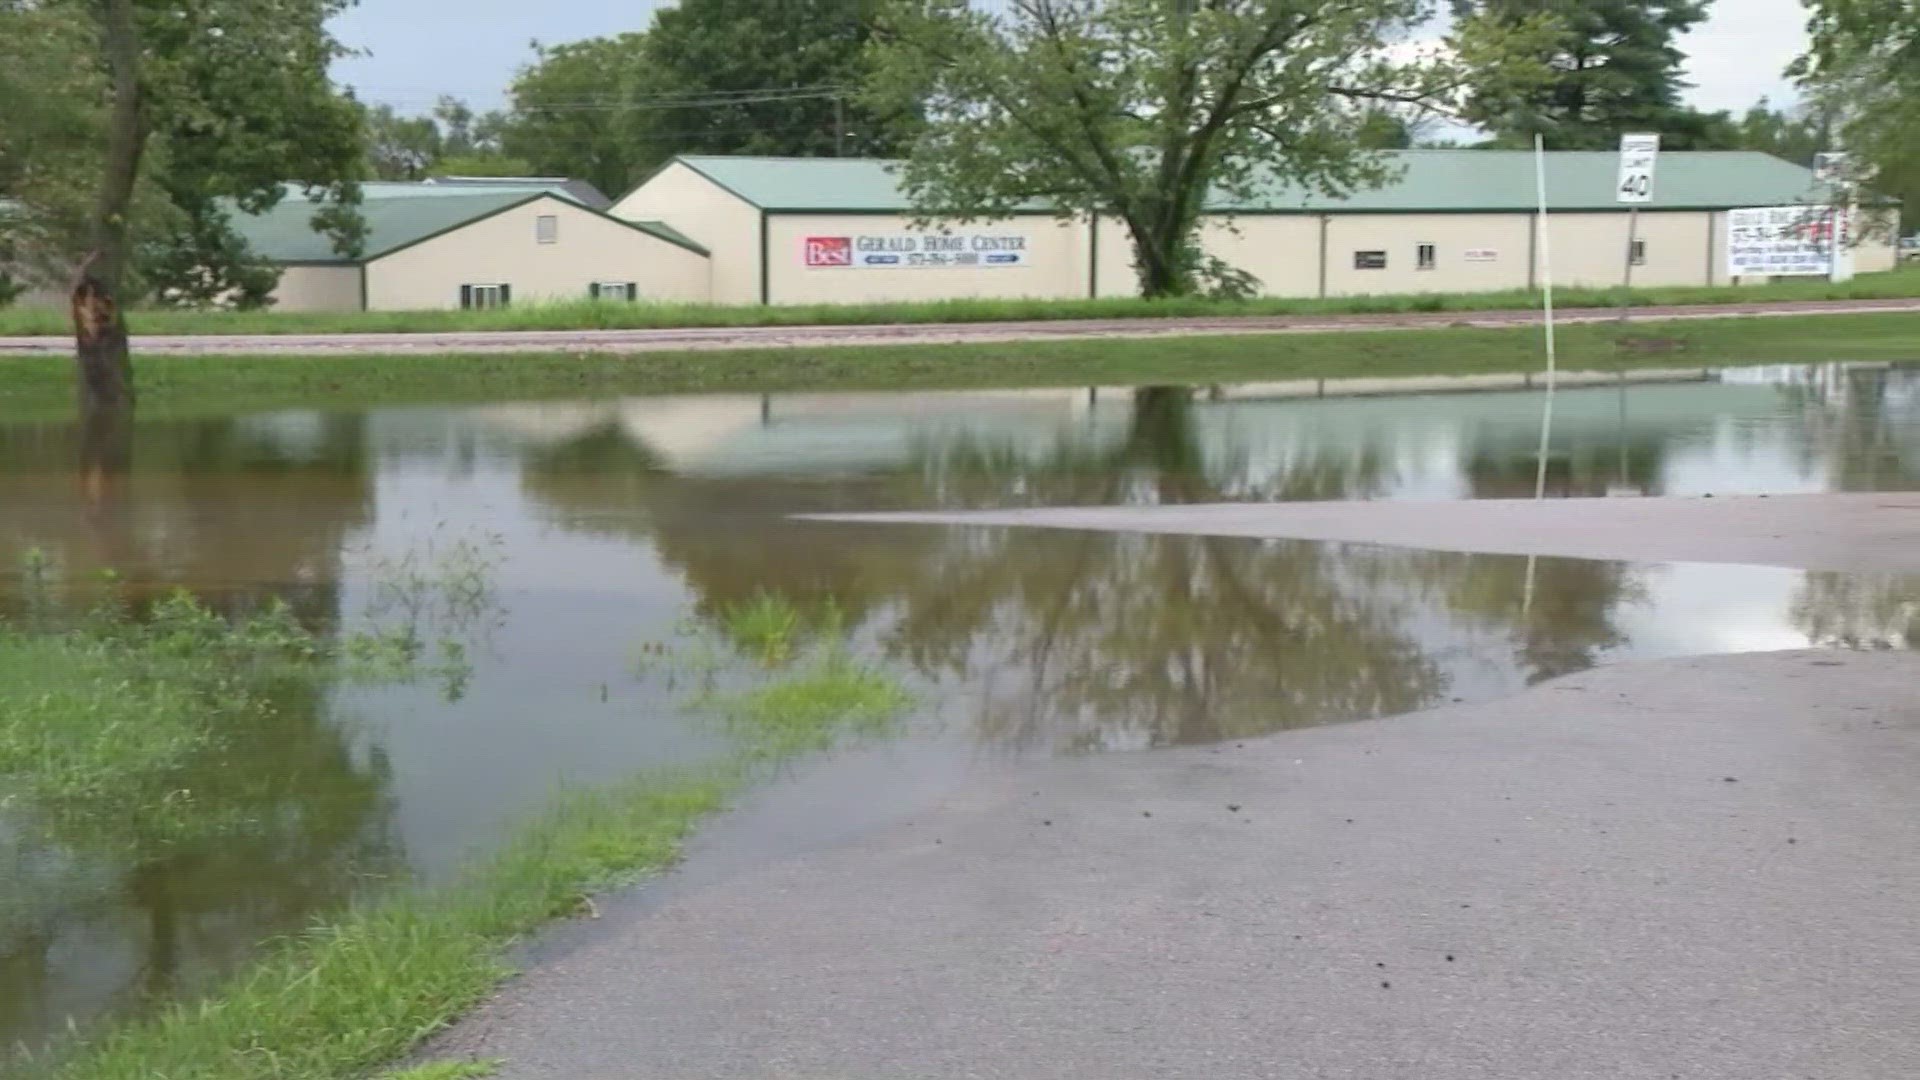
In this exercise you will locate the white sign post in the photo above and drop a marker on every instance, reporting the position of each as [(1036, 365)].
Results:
[(1834, 170), (1638, 155)]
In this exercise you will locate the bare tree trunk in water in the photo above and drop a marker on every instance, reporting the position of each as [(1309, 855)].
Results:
[(105, 367)]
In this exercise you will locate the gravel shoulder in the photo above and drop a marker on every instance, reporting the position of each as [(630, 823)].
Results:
[(1698, 868), (763, 337)]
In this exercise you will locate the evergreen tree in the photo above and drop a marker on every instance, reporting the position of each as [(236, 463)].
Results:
[(1614, 68)]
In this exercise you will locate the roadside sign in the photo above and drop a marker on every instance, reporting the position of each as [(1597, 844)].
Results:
[(1637, 156)]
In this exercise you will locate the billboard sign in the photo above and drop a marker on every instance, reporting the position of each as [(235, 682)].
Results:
[(1638, 155), (916, 251), (1784, 241)]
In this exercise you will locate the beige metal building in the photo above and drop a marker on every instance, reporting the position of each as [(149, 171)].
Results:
[(437, 246), (792, 230)]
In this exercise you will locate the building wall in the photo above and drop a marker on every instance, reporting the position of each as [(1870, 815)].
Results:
[(1281, 250), (1498, 243), (1055, 265), (1591, 249), (713, 217), (318, 288), (502, 249)]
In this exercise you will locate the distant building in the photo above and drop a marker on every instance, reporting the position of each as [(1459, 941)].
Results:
[(460, 245), (832, 230)]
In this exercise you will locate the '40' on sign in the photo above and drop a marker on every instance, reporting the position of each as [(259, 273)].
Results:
[(1638, 153)]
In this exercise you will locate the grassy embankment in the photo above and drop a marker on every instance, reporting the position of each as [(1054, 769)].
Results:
[(96, 722), (42, 387), (602, 315)]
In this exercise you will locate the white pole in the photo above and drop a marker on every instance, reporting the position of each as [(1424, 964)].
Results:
[(1546, 276)]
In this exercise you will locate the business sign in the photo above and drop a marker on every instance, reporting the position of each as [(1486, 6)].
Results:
[(1781, 241), (1481, 255), (915, 251), (1638, 153)]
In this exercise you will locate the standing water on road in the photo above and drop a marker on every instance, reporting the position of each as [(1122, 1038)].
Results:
[(557, 543)]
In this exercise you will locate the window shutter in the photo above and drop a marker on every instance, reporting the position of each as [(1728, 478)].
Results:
[(593, 290), (466, 297), (506, 294), (633, 291)]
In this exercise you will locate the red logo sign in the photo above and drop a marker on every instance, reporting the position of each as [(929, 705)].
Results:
[(829, 251)]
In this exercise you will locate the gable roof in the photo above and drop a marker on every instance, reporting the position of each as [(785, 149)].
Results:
[(1432, 181), (399, 216)]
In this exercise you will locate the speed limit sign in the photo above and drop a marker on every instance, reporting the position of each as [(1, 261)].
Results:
[(1637, 156)]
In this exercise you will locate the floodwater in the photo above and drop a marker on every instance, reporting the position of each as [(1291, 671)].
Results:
[(602, 527)]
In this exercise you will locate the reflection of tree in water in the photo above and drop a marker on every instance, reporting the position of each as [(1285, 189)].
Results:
[(1859, 611), (286, 818), (283, 815), (1148, 640), (235, 509), (1564, 624), (1863, 424)]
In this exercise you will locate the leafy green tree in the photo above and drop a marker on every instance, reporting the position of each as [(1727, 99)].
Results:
[(764, 77), (1614, 68), (1143, 109), (1864, 65), (1796, 135), (401, 147), (574, 111), (193, 110)]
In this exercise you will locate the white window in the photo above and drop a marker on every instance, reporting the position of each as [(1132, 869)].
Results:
[(473, 297), (614, 290), (1369, 260), (1639, 253), (1424, 257), (546, 229)]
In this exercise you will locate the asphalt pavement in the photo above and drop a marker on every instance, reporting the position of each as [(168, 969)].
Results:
[(1696, 869)]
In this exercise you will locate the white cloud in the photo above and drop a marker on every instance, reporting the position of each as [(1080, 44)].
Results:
[(1738, 55)]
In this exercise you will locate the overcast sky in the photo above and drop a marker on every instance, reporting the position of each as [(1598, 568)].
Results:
[(420, 49)]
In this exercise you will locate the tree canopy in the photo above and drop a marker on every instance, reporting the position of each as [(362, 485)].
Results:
[(225, 103), (1613, 67), (1864, 67), (1144, 109)]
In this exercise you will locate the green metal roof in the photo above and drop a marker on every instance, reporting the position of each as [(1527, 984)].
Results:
[(399, 215), (1434, 181)]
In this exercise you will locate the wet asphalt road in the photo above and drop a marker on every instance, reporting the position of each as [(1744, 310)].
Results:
[(1698, 868), (689, 338)]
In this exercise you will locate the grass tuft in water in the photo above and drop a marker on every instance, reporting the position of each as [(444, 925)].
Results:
[(832, 696)]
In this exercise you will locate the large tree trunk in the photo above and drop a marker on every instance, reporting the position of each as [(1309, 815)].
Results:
[(105, 369)]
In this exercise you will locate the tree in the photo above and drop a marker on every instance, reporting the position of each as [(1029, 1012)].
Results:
[(1614, 68), (760, 77), (198, 110), (1143, 109), (401, 147), (1864, 65), (573, 111)]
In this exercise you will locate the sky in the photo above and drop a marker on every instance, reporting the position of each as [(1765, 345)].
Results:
[(418, 50)]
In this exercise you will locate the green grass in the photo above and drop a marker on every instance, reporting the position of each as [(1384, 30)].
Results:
[(42, 387), (586, 314), (373, 983), (832, 695), (363, 988)]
